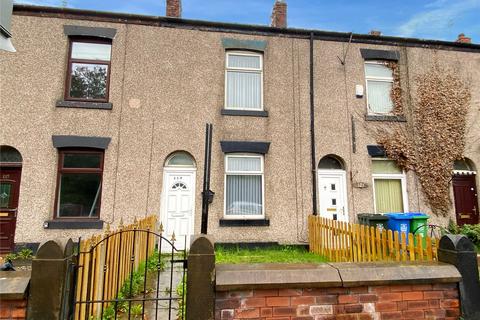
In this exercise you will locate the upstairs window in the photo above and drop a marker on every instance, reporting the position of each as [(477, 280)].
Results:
[(244, 81), (79, 183), (244, 186), (379, 81), (88, 70)]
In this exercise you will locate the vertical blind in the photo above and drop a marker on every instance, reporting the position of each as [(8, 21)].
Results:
[(244, 61), (378, 71), (244, 195), (244, 186), (379, 100), (379, 86), (388, 195), (244, 82), (241, 164)]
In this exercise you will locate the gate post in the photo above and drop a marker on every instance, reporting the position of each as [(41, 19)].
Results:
[(48, 280), (201, 280), (459, 251)]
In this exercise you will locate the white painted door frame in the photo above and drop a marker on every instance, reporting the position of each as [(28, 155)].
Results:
[(167, 171), (326, 173)]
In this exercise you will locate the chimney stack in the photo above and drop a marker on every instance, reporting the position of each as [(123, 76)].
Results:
[(375, 33), (279, 14), (462, 39), (174, 8)]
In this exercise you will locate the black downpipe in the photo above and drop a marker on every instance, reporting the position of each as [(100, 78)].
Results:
[(312, 130), (207, 194)]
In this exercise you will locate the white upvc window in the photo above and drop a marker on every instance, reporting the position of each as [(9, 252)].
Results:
[(379, 82), (244, 81), (244, 186), (389, 187)]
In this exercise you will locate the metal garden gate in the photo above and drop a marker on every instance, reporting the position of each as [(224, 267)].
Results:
[(128, 274)]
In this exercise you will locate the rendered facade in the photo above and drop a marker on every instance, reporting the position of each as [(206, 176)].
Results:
[(103, 118)]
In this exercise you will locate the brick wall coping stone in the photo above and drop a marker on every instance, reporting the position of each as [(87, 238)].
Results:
[(355, 274), (282, 275), (275, 275), (14, 284)]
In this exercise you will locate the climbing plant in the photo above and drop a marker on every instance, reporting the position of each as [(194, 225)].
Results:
[(396, 93), (437, 135)]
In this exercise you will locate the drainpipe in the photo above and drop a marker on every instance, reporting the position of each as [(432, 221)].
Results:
[(312, 130), (207, 194)]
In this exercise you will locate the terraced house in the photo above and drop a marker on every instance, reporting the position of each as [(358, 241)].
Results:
[(103, 118)]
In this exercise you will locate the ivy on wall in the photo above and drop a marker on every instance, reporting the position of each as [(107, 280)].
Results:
[(437, 137), (396, 93)]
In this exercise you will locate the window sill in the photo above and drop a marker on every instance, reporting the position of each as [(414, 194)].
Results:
[(244, 222), (392, 118), (73, 224), (246, 113), (84, 105)]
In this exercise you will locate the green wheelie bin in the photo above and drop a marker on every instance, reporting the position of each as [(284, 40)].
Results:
[(419, 225)]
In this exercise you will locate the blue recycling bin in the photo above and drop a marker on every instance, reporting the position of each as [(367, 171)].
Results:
[(399, 222)]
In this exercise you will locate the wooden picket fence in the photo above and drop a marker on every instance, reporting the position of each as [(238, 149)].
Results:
[(105, 263), (348, 242)]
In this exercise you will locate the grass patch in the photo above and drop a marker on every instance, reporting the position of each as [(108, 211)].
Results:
[(274, 254)]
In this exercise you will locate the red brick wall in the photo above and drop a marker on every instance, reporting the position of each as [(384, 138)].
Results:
[(174, 8), (437, 301), (13, 309), (279, 15)]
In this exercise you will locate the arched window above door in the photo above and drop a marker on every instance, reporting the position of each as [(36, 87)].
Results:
[(330, 162), (464, 166), (10, 155), (180, 159)]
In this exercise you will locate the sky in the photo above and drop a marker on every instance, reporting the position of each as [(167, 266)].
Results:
[(426, 19)]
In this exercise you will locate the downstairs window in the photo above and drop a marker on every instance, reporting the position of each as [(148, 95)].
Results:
[(79, 183), (244, 186)]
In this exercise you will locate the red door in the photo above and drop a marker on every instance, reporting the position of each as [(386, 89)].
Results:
[(9, 192), (466, 202)]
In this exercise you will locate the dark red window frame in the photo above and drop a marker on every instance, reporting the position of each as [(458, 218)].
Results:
[(71, 61), (61, 170)]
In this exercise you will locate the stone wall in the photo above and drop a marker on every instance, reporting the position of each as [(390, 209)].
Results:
[(418, 301)]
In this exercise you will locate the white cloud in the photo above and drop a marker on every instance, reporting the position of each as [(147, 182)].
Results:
[(441, 16)]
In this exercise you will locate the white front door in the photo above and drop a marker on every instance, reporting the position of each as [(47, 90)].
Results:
[(178, 205), (332, 194)]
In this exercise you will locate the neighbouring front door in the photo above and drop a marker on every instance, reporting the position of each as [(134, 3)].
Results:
[(466, 200), (178, 206), (332, 191), (9, 192)]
